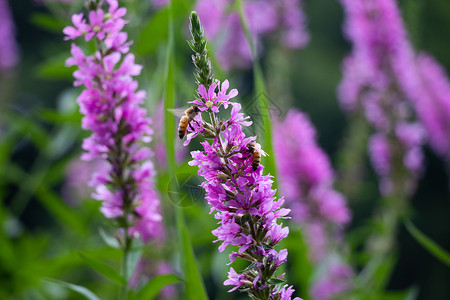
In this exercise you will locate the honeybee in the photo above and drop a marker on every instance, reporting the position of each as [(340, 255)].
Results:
[(186, 117), (256, 151)]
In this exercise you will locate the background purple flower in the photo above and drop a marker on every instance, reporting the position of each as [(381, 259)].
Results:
[(433, 104), (380, 78), (9, 50), (223, 26)]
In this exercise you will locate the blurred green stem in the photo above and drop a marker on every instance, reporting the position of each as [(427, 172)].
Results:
[(351, 157), (123, 295), (262, 98), (193, 283)]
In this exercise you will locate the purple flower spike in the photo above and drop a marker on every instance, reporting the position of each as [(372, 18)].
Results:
[(380, 76), (9, 56), (111, 107), (240, 195), (433, 104)]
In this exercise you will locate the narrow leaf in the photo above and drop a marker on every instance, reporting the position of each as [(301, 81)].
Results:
[(133, 257), (76, 288), (152, 288), (108, 239), (428, 244), (153, 34), (48, 22), (103, 268), (194, 287), (262, 99)]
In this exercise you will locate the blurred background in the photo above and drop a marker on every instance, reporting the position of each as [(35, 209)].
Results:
[(46, 213)]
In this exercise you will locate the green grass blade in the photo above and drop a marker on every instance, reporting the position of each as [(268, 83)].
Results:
[(194, 287), (428, 244), (260, 93), (103, 268), (152, 288), (76, 288)]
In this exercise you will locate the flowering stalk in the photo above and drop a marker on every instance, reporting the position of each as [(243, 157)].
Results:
[(243, 198), (380, 79), (110, 104)]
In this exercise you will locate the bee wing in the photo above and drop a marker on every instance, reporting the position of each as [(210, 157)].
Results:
[(178, 112)]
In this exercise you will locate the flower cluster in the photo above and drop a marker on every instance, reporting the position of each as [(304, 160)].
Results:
[(110, 104), (223, 25), (242, 197), (8, 45), (380, 78), (433, 104), (306, 181)]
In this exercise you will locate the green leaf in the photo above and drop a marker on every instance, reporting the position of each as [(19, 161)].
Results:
[(194, 286), (428, 244), (276, 281), (152, 288), (133, 257), (153, 34), (103, 268), (109, 239), (48, 22), (299, 259), (76, 288), (55, 68)]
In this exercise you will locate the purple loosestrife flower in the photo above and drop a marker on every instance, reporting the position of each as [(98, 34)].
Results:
[(240, 195), (110, 104), (433, 104), (242, 198), (379, 78), (8, 46), (263, 17)]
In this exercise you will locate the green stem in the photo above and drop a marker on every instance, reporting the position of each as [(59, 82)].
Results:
[(126, 249), (260, 94)]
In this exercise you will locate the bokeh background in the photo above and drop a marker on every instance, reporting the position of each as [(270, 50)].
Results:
[(46, 214)]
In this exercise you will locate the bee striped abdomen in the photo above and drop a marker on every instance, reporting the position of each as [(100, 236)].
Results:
[(182, 127), (256, 160)]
